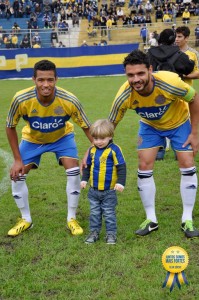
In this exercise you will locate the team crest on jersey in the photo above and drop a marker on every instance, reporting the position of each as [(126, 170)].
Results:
[(102, 160), (160, 99), (139, 140), (58, 110), (34, 111)]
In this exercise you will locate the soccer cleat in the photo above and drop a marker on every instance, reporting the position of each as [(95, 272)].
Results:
[(189, 230), (20, 226), (160, 154), (74, 227), (92, 237), (146, 227), (111, 239)]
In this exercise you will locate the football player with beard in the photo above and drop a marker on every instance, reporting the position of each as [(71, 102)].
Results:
[(160, 99)]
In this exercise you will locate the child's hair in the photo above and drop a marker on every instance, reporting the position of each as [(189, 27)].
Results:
[(102, 128)]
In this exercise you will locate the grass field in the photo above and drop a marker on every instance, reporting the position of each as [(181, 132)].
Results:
[(48, 263)]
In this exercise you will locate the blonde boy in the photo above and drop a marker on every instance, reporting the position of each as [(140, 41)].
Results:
[(106, 169)]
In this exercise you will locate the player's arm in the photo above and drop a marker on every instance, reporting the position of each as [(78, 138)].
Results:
[(11, 123), (79, 117), (195, 73), (83, 162), (192, 75), (115, 125), (116, 117), (120, 104), (87, 133), (193, 138), (18, 166)]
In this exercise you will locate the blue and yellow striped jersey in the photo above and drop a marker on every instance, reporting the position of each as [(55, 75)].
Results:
[(165, 108), (103, 162), (46, 124)]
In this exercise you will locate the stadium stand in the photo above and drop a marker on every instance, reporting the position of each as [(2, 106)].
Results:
[(125, 29), (7, 25)]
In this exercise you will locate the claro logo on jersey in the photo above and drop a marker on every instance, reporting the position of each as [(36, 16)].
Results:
[(48, 124), (152, 113)]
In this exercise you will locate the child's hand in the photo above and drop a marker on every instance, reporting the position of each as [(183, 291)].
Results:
[(83, 184), (119, 187)]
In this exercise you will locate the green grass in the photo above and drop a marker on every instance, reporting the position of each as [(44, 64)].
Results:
[(48, 263)]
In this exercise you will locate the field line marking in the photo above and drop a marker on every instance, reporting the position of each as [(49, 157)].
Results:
[(5, 182)]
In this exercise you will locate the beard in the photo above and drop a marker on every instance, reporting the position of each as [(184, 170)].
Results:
[(141, 86)]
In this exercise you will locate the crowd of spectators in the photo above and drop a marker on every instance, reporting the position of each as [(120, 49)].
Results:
[(169, 11), (102, 16), (166, 11), (140, 12)]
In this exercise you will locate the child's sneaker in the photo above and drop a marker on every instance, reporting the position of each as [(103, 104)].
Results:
[(189, 230), (92, 237), (111, 239)]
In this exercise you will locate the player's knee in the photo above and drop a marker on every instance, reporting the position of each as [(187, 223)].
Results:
[(185, 159), (144, 165)]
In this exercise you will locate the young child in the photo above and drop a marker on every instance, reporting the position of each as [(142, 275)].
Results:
[(106, 169)]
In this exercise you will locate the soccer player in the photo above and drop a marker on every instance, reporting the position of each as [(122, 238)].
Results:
[(160, 99), (106, 169), (182, 38), (46, 109)]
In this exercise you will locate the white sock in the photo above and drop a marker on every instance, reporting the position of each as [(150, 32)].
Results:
[(188, 189), (147, 190), (167, 143), (73, 191), (20, 194)]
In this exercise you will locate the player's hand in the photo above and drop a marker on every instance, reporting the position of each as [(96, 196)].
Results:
[(83, 162), (17, 170), (194, 141), (83, 184), (119, 187)]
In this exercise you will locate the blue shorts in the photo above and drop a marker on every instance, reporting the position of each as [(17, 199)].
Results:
[(149, 137), (64, 147)]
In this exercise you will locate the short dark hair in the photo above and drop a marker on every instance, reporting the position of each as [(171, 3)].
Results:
[(136, 57), (45, 65), (167, 37), (184, 30)]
